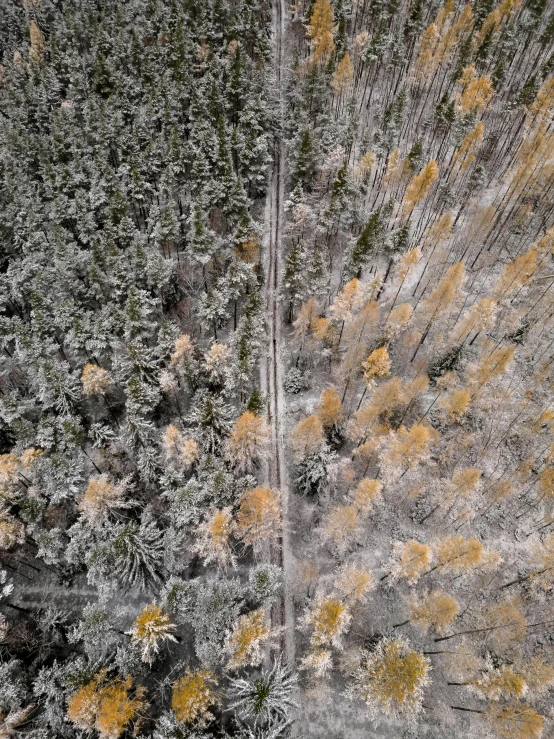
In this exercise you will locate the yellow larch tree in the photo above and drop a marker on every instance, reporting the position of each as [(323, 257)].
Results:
[(441, 298), (321, 30), (434, 610), (499, 683), (192, 696), (212, 542), (514, 721), (179, 452), (366, 494), (480, 317), (245, 643), (491, 366), (407, 449), (248, 441), (329, 409), (36, 50), (392, 678), (457, 555), (377, 365), (476, 92), (106, 705), (259, 516), (354, 582), (306, 437), (343, 75), (328, 621), (419, 186), (150, 630), (101, 497), (183, 352), (342, 527), (409, 561), (465, 153), (95, 380), (397, 320)]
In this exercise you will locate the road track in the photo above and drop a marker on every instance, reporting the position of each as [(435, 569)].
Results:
[(271, 369)]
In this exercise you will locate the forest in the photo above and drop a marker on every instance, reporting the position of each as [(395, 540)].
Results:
[(276, 328)]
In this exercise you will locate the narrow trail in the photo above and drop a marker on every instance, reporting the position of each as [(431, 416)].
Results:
[(271, 369)]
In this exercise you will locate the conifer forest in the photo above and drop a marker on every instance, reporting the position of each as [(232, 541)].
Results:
[(276, 376)]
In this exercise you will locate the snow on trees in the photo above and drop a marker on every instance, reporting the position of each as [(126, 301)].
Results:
[(259, 516), (107, 705), (150, 629), (192, 696), (392, 678), (247, 441)]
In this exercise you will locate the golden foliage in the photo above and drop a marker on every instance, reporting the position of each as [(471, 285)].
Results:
[(366, 494), (354, 583), (433, 610), (476, 91), (365, 165), (245, 642), (306, 437), (457, 555), (445, 293), (329, 619), (105, 705), (342, 527), (502, 682), (507, 625), (480, 317), (393, 677), (259, 516), (192, 696), (12, 532), (9, 466), (465, 153), (397, 320), (307, 315), (383, 400), (408, 448), (329, 409), (248, 440), (180, 452), (36, 51), (183, 350), (539, 675), (216, 359), (248, 251), (321, 30), (514, 721), (343, 75), (409, 561), (349, 300), (377, 365), (213, 538), (101, 497), (420, 185), (29, 457), (493, 365), (516, 274), (95, 380), (150, 628)]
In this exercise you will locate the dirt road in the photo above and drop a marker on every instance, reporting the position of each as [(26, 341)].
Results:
[(271, 369)]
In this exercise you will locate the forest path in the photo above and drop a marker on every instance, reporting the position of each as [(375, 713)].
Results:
[(271, 368)]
